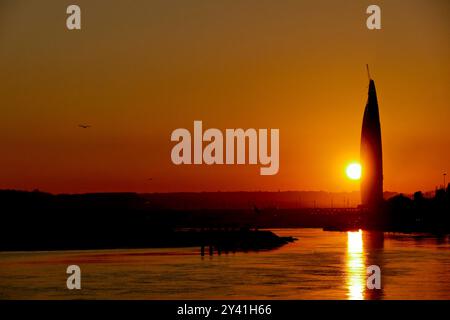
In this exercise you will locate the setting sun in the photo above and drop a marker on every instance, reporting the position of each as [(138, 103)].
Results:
[(353, 171)]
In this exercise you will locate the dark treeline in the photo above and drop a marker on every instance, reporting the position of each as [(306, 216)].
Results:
[(45, 221), (416, 213)]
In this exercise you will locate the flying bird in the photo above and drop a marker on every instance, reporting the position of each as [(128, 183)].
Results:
[(84, 126)]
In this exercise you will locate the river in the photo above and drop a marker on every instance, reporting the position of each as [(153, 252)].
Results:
[(319, 265)]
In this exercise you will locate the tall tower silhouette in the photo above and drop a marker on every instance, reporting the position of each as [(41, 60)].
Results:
[(371, 152)]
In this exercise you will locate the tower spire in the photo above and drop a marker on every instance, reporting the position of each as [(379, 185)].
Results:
[(368, 72)]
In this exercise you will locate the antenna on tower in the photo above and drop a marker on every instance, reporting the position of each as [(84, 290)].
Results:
[(368, 72)]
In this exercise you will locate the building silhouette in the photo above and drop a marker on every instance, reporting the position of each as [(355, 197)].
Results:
[(371, 152)]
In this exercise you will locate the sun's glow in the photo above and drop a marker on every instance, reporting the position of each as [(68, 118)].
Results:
[(353, 171)]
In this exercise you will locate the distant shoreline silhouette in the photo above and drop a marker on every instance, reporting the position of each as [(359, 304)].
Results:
[(42, 221)]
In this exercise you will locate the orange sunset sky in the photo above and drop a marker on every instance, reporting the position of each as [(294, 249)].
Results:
[(140, 69)]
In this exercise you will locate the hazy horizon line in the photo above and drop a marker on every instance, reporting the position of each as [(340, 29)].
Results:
[(198, 192)]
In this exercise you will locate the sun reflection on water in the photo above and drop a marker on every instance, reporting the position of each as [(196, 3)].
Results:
[(355, 266)]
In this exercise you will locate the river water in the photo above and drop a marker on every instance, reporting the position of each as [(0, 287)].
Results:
[(319, 265)]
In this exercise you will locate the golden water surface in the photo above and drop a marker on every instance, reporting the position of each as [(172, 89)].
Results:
[(319, 265)]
